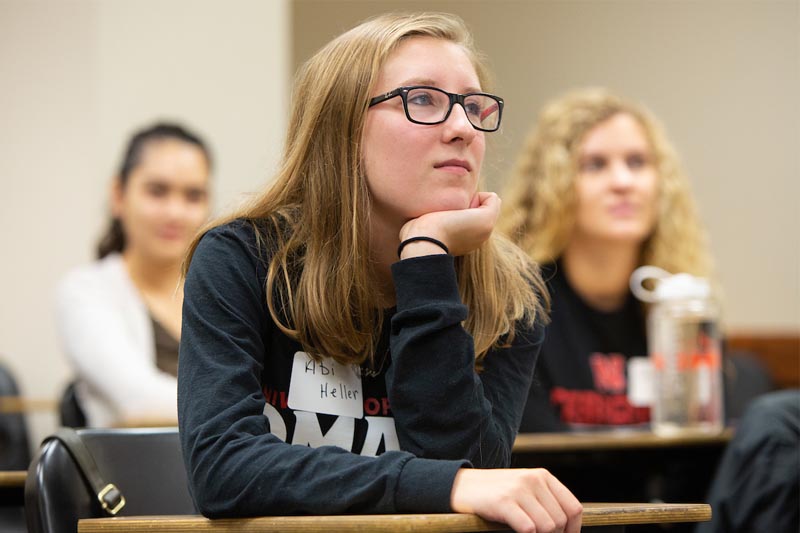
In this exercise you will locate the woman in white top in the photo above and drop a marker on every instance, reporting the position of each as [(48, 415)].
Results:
[(119, 318)]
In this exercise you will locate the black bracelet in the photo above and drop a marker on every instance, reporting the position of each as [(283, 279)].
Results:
[(437, 242)]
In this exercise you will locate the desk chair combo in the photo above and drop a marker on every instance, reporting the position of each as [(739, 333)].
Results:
[(146, 466)]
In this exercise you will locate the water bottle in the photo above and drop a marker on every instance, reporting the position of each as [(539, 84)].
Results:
[(684, 350)]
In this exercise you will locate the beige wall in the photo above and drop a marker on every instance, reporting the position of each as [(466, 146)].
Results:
[(724, 77), (77, 77)]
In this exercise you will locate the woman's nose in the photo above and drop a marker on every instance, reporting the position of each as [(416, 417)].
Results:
[(621, 174), (458, 126), (176, 206)]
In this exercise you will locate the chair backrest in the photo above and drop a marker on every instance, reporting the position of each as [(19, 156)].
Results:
[(746, 378), (14, 447), (145, 464), (69, 408)]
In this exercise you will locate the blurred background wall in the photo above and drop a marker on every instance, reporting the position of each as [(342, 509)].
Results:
[(77, 76)]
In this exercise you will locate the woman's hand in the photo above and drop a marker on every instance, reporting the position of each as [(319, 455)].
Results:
[(527, 500), (462, 230)]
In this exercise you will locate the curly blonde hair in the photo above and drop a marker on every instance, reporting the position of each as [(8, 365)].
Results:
[(539, 202), (317, 211)]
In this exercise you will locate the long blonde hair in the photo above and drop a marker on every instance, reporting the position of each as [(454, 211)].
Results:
[(320, 284), (539, 202)]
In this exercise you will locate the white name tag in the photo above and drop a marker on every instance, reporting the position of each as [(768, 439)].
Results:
[(325, 387)]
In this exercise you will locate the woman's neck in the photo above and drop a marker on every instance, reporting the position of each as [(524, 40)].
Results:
[(599, 271), (156, 277), (161, 288)]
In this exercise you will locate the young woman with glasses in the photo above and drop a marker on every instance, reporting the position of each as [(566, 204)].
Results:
[(357, 340)]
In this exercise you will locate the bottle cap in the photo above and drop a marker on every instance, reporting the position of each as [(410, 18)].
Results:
[(668, 287), (682, 287)]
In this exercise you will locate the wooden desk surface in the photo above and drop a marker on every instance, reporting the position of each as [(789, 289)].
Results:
[(21, 404), (594, 514), (611, 440), (13, 478)]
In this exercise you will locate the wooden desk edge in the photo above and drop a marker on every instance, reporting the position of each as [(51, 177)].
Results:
[(611, 440), (13, 478), (23, 404), (594, 514)]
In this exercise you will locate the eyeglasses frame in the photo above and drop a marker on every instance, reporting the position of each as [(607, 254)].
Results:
[(455, 98)]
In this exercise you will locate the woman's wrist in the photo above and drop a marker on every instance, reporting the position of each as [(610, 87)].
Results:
[(420, 245)]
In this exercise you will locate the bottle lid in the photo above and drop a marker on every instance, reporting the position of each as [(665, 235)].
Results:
[(668, 287)]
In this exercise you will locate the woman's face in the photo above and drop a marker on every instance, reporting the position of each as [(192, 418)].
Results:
[(617, 185), (164, 201), (413, 169)]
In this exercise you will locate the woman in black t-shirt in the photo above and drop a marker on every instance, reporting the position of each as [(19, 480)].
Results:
[(597, 192)]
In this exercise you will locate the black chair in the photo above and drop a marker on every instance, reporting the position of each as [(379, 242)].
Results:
[(14, 445), (145, 464), (14, 455), (746, 378), (69, 408)]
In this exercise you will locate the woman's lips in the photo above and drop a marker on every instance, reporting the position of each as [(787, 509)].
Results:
[(623, 210), (172, 234), (454, 165)]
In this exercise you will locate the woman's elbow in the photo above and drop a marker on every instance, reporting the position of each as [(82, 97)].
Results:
[(209, 498)]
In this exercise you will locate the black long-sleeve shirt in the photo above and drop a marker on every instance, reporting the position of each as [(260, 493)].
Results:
[(581, 376), (426, 411)]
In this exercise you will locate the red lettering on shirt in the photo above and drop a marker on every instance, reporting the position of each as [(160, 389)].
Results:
[(608, 372), (591, 407), (276, 398)]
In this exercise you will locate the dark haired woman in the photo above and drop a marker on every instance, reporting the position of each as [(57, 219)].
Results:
[(119, 318)]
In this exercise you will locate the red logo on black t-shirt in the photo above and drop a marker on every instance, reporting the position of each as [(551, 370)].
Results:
[(609, 372), (607, 403)]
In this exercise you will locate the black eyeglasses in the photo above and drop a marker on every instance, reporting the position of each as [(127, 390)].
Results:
[(431, 105)]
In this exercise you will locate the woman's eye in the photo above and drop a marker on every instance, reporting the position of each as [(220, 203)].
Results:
[(420, 99), (637, 161), (593, 164), (195, 195), (156, 189), (473, 109)]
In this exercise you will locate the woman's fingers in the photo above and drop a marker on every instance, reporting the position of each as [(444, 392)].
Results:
[(518, 519), (525, 499), (462, 230), (568, 503)]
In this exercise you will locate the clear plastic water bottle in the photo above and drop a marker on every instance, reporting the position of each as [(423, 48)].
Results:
[(684, 349)]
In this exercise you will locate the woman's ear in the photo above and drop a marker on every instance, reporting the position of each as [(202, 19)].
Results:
[(116, 197)]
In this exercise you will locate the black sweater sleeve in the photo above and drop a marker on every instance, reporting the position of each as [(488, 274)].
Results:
[(443, 408)]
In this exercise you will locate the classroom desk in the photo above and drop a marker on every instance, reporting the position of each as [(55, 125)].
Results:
[(147, 423), (12, 500), (608, 516), (626, 465), (612, 440), (21, 404), (13, 478)]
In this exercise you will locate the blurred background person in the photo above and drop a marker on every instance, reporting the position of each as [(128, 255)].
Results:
[(119, 318), (757, 483), (597, 192)]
